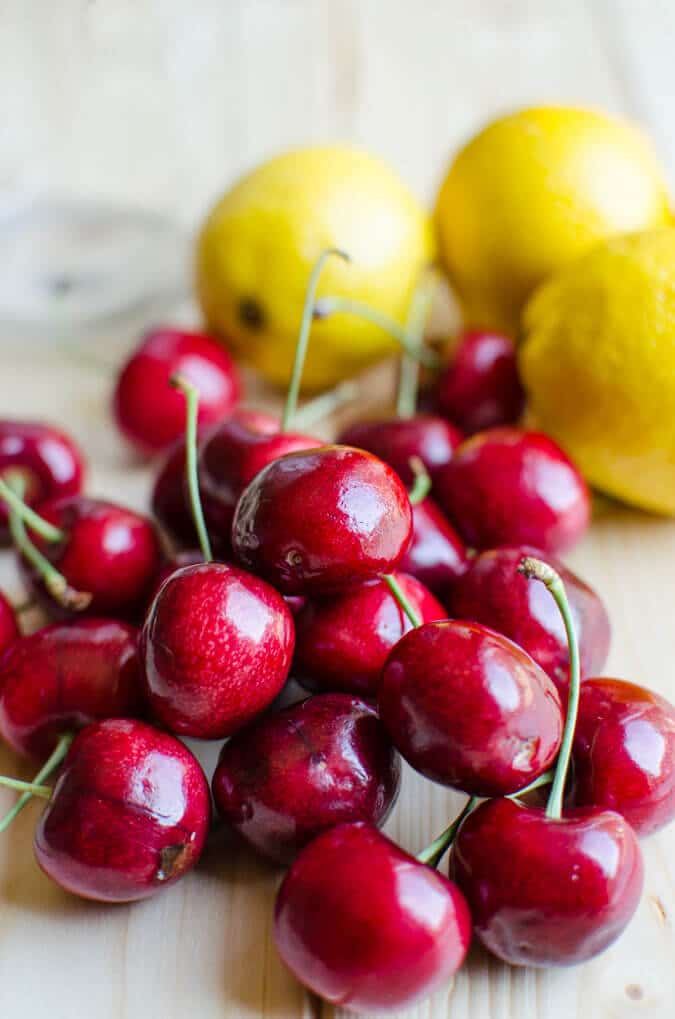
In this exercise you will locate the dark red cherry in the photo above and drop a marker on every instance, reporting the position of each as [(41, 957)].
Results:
[(343, 639), (481, 387), (545, 891), (129, 814), (148, 411), (9, 624), (217, 647), (287, 777), (494, 593), (468, 708), (63, 677), (624, 753), (436, 554), (47, 460), (170, 505), (395, 440), (511, 487), (322, 520), (365, 925)]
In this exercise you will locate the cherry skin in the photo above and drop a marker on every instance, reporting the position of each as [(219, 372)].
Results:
[(9, 624), (217, 647), (395, 440), (148, 411), (287, 777), (186, 557), (494, 593), (510, 487), (481, 388), (169, 502), (343, 639), (48, 461), (64, 676), (543, 891), (624, 753), (129, 814), (322, 519), (436, 554), (365, 925), (468, 708)]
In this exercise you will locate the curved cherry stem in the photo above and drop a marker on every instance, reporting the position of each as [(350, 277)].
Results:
[(420, 307), (332, 305), (303, 336), (434, 853), (537, 783), (422, 484), (191, 394), (50, 765), (32, 788), (397, 591), (321, 406), (535, 569), (15, 503)]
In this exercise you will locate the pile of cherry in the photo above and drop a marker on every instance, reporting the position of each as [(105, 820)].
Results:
[(436, 627)]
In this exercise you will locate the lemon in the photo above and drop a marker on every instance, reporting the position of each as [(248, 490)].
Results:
[(598, 363), (257, 247), (532, 191)]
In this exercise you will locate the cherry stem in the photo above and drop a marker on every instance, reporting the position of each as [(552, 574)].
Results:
[(321, 406), (420, 307), (422, 483), (291, 405), (331, 305), (191, 394), (50, 765), (434, 853), (16, 505), (26, 787), (397, 591), (537, 783), (534, 569)]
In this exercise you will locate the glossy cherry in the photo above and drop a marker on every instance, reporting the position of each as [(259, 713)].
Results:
[(9, 624), (547, 891), (169, 501), (346, 518), (148, 411), (47, 460), (624, 753), (396, 440), (480, 388), (468, 708), (343, 639), (287, 777), (493, 592), (506, 486), (436, 554), (217, 647), (128, 816), (367, 927)]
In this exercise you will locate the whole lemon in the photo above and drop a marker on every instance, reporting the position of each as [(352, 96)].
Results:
[(257, 247), (598, 363), (532, 191)]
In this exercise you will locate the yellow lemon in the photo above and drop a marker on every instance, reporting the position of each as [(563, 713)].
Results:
[(532, 191), (598, 363), (257, 247)]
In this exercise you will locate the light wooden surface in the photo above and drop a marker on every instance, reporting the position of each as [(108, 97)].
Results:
[(161, 103)]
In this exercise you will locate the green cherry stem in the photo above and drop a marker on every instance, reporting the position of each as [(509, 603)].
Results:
[(422, 483), (534, 569), (191, 394), (397, 591), (15, 503), (537, 783), (434, 853), (332, 305), (31, 788), (291, 405), (50, 765), (420, 307), (321, 406)]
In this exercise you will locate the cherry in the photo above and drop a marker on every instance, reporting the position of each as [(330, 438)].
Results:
[(45, 458), (289, 776), (396, 440), (365, 925), (343, 639), (170, 505), (186, 557), (481, 388), (506, 486), (624, 753), (436, 554), (148, 413), (9, 625), (129, 814), (493, 592)]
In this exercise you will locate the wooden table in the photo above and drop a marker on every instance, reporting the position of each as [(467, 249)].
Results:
[(164, 103)]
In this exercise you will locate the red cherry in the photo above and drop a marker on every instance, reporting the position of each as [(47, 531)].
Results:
[(289, 776), (436, 554), (65, 676), (48, 461), (170, 505), (397, 440), (468, 708), (493, 592), (322, 520), (481, 388), (545, 891), (9, 624), (217, 647), (364, 925), (148, 411), (129, 814), (342, 640), (510, 487), (187, 557), (624, 753)]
